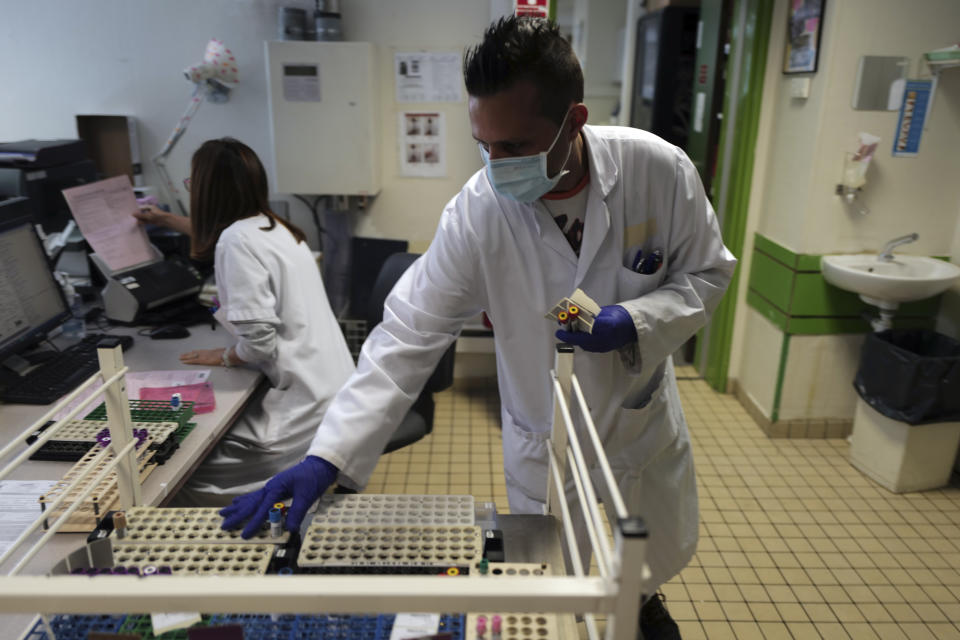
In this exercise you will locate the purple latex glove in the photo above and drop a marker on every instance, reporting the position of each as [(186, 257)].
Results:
[(612, 328), (304, 482)]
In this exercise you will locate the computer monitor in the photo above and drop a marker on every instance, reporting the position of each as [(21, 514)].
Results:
[(33, 303)]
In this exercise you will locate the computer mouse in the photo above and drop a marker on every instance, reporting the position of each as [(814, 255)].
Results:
[(169, 332)]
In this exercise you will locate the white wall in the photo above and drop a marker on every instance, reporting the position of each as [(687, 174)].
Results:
[(903, 194), (948, 321), (597, 28), (63, 58), (818, 377), (761, 360)]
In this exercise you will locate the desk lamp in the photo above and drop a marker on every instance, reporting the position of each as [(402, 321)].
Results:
[(209, 77)]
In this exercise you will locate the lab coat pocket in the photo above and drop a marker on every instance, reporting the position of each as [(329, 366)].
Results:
[(525, 458), (631, 284), (642, 432)]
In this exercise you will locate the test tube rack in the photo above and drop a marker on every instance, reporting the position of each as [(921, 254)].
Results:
[(154, 525), (255, 626), (106, 493), (352, 546), (199, 559), (150, 411), (87, 430), (387, 509), (74, 438), (515, 626)]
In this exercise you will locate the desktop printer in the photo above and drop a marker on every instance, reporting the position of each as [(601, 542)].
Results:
[(132, 292), (39, 170)]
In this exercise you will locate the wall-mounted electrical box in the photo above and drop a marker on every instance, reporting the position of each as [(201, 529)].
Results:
[(324, 117)]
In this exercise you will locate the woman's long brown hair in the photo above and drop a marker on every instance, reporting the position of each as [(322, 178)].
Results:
[(227, 183)]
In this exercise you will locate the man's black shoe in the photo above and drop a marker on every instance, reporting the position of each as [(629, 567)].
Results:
[(655, 620)]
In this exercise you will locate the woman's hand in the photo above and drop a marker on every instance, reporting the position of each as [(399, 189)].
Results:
[(210, 357), (150, 214)]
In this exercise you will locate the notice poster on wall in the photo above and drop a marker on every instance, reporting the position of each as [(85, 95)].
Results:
[(913, 114), (423, 144), (428, 76)]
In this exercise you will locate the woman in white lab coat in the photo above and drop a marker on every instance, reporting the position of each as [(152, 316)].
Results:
[(272, 298)]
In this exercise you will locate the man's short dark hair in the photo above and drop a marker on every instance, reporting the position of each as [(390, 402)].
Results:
[(526, 49)]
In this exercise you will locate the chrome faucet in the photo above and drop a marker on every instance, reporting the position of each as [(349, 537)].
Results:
[(886, 254)]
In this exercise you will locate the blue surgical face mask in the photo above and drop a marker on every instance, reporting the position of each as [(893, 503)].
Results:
[(524, 178)]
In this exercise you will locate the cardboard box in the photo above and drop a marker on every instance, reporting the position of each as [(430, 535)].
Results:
[(113, 144)]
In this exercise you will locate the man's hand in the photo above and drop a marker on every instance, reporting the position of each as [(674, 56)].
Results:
[(209, 357), (150, 214), (304, 482), (612, 328)]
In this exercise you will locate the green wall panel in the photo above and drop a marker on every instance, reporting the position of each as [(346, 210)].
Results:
[(772, 280), (808, 262), (775, 251), (767, 310), (812, 296)]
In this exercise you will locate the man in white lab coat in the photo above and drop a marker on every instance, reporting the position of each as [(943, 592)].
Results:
[(616, 212)]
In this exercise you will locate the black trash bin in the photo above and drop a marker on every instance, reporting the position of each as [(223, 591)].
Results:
[(911, 375)]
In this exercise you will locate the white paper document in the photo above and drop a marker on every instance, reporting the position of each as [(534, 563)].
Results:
[(423, 144), (104, 212), (414, 625), (163, 622), (428, 76), (19, 506)]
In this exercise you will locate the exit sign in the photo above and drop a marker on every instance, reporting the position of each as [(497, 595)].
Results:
[(533, 8)]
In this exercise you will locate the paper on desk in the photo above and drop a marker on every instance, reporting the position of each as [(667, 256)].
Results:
[(163, 622), (104, 212), (136, 381), (19, 507), (201, 395), (414, 625)]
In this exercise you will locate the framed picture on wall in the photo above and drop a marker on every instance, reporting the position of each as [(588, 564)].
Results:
[(804, 24)]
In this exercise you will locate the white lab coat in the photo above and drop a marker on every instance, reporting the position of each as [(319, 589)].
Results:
[(512, 261), (267, 277)]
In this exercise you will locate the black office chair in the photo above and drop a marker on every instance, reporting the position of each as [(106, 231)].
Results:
[(419, 419)]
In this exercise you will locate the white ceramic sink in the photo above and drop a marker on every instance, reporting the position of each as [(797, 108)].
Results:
[(887, 284)]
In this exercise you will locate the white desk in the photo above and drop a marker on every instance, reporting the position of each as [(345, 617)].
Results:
[(232, 387)]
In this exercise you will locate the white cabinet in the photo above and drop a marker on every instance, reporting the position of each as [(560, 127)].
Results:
[(324, 117)]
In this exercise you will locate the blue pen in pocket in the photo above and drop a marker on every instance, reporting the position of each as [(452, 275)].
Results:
[(652, 263), (637, 261)]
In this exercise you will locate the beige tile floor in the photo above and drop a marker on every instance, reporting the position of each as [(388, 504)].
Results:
[(794, 542)]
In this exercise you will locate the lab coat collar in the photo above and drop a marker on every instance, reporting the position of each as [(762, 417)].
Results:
[(604, 172), (603, 176)]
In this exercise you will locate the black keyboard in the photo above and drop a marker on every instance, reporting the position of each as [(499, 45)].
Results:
[(61, 374)]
